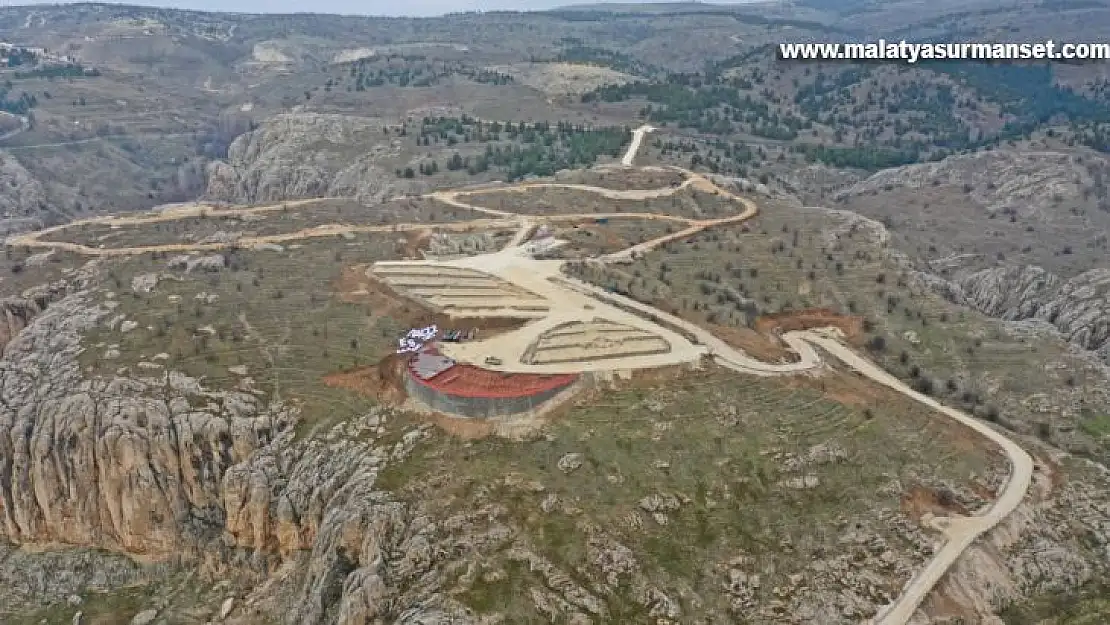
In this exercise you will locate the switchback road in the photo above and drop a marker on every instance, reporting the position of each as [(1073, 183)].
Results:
[(689, 342)]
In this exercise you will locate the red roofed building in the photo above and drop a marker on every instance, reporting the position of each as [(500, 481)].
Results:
[(470, 391)]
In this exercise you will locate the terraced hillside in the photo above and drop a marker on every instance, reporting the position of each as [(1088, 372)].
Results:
[(746, 340), (650, 497)]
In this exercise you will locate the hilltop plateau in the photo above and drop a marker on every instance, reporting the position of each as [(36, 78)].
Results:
[(719, 338)]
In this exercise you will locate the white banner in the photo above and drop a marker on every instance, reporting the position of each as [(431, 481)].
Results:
[(416, 338)]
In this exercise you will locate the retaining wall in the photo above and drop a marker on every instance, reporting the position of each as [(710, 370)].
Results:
[(477, 407)]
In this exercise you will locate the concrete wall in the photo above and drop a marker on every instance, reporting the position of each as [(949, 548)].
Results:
[(476, 407)]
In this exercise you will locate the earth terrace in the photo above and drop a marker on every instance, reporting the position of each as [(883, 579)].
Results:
[(909, 52)]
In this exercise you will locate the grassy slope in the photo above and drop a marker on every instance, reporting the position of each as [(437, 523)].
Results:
[(785, 261), (275, 313), (720, 440)]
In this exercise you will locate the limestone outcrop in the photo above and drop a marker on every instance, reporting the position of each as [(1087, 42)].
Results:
[(299, 155), (125, 463), (17, 312), (1078, 307), (1027, 182), (161, 468), (23, 200)]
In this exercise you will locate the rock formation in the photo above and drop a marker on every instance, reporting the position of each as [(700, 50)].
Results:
[(1078, 307), (23, 199), (301, 155), (129, 464), (125, 463), (17, 312), (1028, 182)]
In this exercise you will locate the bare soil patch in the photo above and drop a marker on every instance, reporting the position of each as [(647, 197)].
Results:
[(810, 318), (416, 241), (466, 429), (845, 388), (650, 378), (919, 500), (623, 179), (588, 238), (356, 285), (383, 381), (755, 344), (944, 606)]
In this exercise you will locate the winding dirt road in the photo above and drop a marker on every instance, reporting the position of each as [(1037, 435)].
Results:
[(960, 532), (634, 147), (514, 265)]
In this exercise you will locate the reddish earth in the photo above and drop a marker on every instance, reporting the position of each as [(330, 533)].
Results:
[(1055, 472), (808, 319), (760, 341), (383, 381), (415, 242), (946, 604), (463, 427), (463, 380), (845, 388), (649, 378), (982, 490), (758, 344)]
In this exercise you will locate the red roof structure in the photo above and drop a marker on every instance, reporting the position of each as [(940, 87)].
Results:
[(463, 380)]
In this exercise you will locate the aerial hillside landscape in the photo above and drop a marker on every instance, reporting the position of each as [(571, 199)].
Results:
[(600, 314)]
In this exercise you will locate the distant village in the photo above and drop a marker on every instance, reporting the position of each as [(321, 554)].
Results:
[(25, 58)]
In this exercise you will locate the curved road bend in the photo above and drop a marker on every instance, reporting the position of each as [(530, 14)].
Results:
[(696, 226), (723, 353), (961, 532)]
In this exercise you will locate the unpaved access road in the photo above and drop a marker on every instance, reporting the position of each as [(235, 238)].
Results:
[(634, 147), (960, 532), (574, 300), (501, 219), (724, 354)]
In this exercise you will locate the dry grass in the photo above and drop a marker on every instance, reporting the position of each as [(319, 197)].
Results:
[(723, 441), (275, 314), (563, 79), (792, 259)]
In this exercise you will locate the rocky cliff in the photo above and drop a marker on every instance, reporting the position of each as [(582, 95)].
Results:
[(307, 155), (351, 554), (1044, 261), (971, 212), (160, 467), (1025, 181), (16, 313), (126, 464), (22, 197), (1078, 307), (1055, 541)]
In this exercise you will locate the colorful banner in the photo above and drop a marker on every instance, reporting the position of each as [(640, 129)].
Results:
[(415, 339)]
